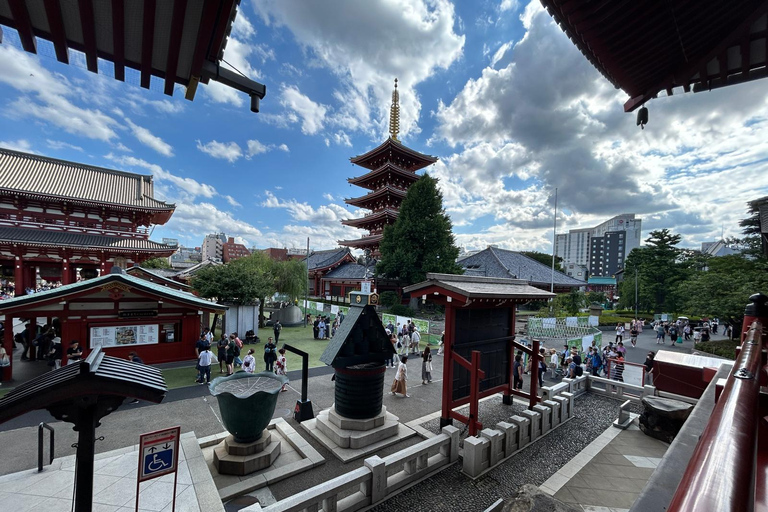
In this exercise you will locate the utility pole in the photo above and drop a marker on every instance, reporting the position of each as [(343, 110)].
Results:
[(306, 288), (554, 246), (635, 291)]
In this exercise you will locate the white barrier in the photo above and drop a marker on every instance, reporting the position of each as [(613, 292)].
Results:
[(377, 480)]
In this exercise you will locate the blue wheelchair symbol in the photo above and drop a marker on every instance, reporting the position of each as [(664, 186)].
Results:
[(159, 461)]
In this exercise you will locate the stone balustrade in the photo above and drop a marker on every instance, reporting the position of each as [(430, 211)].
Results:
[(377, 479), (616, 389), (494, 446)]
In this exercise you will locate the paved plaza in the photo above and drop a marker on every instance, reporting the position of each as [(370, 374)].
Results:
[(628, 456)]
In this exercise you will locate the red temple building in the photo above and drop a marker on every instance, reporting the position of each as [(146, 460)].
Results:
[(64, 221), (392, 170)]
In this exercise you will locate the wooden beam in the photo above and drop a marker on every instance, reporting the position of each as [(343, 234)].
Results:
[(222, 21), (201, 46), (147, 42), (88, 25), (23, 25), (118, 38), (56, 27), (174, 45)]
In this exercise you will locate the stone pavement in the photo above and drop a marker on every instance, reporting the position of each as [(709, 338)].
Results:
[(609, 474), (115, 485)]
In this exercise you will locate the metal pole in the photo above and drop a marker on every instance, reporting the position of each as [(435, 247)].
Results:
[(635, 291), (306, 289), (554, 246)]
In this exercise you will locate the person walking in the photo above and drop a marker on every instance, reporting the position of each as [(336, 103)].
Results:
[(239, 344), (278, 327), (633, 334), (618, 368), (426, 366), (204, 363), (270, 354), (660, 333), (399, 384), (56, 352), (406, 344), (395, 348), (649, 368), (281, 367), (619, 332), (554, 361), (231, 349), (517, 372), (415, 340), (597, 363), (249, 362), (441, 347), (221, 345)]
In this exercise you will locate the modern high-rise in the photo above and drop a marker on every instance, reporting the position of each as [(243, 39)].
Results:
[(601, 250), (213, 246)]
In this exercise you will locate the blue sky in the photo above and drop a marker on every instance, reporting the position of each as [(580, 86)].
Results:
[(493, 88)]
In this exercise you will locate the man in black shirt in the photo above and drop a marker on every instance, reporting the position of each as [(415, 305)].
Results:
[(74, 352)]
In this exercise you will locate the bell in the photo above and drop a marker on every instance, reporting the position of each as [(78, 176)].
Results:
[(642, 117)]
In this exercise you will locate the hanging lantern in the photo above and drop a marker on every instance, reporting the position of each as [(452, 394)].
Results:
[(642, 117)]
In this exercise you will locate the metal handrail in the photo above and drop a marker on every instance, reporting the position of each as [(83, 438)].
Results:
[(720, 475), (40, 427)]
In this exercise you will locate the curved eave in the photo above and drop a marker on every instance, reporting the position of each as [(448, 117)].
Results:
[(363, 200), (361, 181), (157, 253), (362, 242), (365, 159), (387, 214)]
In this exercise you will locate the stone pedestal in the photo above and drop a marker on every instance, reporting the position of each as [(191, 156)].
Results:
[(349, 438), (234, 458)]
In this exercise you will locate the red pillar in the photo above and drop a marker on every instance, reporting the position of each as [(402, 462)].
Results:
[(18, 280), (445, 417), (65, 276), (7, 343)]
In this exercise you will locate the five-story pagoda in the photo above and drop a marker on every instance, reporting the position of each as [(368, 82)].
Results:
[(392, 169)]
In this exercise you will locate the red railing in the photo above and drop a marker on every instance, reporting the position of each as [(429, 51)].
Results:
[(721, 473)]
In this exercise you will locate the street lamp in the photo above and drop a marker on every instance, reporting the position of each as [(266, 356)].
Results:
[(635, 292)]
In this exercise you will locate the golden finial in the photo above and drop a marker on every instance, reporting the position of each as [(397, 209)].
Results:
[(394, 114)]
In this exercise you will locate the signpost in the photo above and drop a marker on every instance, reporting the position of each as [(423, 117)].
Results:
[(158, 456)]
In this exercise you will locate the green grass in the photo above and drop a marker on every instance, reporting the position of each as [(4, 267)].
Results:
[(722, 348), (298, 337)]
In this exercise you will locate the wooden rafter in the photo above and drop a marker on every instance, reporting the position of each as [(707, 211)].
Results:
[(23, 25), (58, 34), (89, 34), (147, 42), (118, 38), (177, 25)]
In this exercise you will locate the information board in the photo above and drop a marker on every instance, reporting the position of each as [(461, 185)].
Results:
[(107, 337)]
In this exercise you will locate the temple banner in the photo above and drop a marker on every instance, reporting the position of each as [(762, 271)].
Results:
[(107, 337)]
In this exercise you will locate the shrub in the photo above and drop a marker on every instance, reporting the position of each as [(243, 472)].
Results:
[(401, 310), (389, 299), (722, 348)]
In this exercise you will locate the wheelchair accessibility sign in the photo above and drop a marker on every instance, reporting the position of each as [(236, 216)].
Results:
[(158, 453)]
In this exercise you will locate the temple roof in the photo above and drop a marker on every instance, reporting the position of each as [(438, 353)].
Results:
[(366, 241), (386, 213), (45, 237), (473, 287), (155, 275), (380, 172), (393, 151), (349, 271), (645, 47), (500, 263), (180, 42), (323, 259), (376, 194), (48, 177)]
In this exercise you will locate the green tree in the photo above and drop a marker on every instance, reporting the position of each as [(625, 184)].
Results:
[(570, 302), (290, 278), (243, 281), (595, 298), (420, 240), (658, 271), (723, 290), (155, 263), (754, 243), (545, 258)]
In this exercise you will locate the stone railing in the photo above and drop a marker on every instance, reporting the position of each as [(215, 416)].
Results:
[(494, 446), (618, 390), (377, 480)]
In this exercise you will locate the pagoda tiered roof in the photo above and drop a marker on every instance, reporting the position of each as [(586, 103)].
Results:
[(40, 177), (365, 242), (385, 191), (387, 215), (392, 151), (388, 173)]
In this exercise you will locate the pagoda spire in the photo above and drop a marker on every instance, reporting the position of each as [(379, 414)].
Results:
[(394, 114)]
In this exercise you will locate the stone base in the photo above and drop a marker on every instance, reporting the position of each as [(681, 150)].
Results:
[(356, 437), (349, 444), (233, 458)]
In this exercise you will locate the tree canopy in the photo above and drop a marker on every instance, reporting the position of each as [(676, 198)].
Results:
[(242, 281), (155, 263), (420, 240)]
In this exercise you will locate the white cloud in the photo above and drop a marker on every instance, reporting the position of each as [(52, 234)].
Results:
[(284, 147), (329, 215), (368, 44), (189, 187), (508, 5), (232, 201), (57, 144), (311, 114), (22, 145), (256, 148), (198, 218), (139, 100), (229, 151), (49, 97), (150, 140)]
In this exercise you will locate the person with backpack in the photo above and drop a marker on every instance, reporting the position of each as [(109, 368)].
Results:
[(517, 372), (232, 351), (597, 363), (278, 327), (270, 355), (221, 345), (542, 366), (239, 343)]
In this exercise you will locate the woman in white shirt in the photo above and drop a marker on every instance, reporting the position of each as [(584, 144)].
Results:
[(249, 363)]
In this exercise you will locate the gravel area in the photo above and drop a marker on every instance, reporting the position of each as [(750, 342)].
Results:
[(451, 490)]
